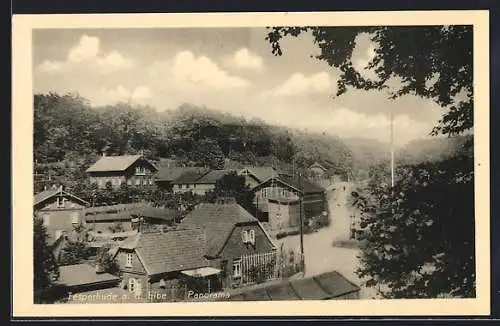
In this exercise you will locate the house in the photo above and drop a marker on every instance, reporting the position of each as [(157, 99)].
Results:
[(152, 261), (134, 170), (233, 237), (109, 219), (166, 174), (186, 181), (317, 172), (311, 196), (283, 213), (125, 217), (326, 286), (207, 182), (74, 279), (256, 175), (61, 212)]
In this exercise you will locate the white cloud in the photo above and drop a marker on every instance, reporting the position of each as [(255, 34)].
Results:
[(114, 61), (299, 84), (243, 58), (203, 71), (87, 48), (185, 69), (87, 54), (363, 53), (120, 93)]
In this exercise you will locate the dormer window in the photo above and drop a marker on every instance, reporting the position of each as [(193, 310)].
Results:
[(128, 263)]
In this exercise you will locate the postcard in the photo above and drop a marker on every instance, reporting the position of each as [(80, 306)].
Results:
[(251, 164)]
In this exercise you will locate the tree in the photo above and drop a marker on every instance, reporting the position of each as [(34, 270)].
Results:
[(419, 234), (116, 227), (434, 62), (105, 262), (46, 270), (233, 185), (206, 152), (74, 253)]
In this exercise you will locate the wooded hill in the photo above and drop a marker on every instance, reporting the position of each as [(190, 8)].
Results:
[(70, 134)]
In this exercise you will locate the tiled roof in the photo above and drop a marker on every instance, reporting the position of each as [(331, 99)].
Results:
[(156, 213), (112, 208), (219, 221), (303, 185), (175, 250), (121, 212), (262, 173), (190, 177), (46, 194), (113, 163), (170, 174), (326, 286), (83, 274), (212, 176)]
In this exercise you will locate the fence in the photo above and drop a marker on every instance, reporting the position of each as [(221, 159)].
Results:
[(258, 268)]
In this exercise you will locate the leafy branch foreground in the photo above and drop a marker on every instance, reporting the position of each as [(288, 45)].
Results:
[(419, 235)]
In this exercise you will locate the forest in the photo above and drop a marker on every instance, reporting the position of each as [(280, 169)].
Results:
[(70, 134)]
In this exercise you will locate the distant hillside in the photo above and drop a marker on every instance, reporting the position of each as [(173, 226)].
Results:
[(366, 153), (431, 149)]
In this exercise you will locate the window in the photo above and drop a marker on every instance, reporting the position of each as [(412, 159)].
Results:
[(137, 182), (244, 236), (100, 182), (75, 218), (61, 202), (131, 284), (140, 170), (46, 219), (236, 268), (129, 260), (150, 181), (58, 234), (129, 182), (251, 236)]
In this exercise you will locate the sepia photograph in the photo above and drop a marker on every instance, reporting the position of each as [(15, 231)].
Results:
[(274, 162)]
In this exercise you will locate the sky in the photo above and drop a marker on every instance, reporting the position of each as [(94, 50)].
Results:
[(231, 70)]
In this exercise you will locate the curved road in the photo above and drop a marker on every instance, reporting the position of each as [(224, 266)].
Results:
[(320, 254)]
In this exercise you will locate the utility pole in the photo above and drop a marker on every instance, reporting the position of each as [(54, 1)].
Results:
[(302, 260), (392, 148)]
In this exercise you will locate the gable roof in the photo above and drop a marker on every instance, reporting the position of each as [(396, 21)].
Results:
[(213, 176), (325, 286), (302, 185), (218, 221), (156, 213), (83, 274), (261, 173), (318, 165), (190, 176), (169, 174), (47, 194), (164, 252), (121, 212), (115, 163)]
